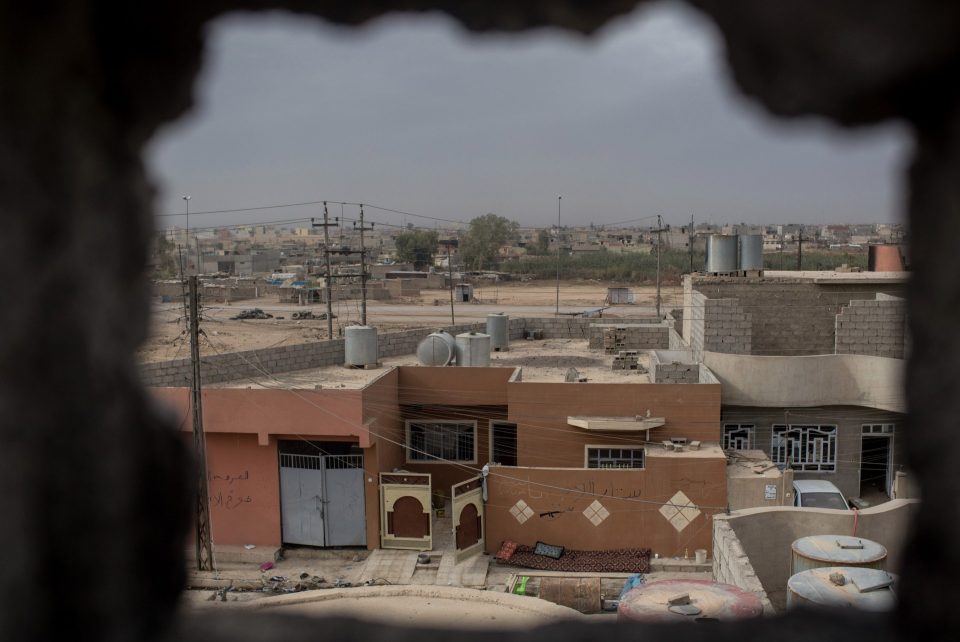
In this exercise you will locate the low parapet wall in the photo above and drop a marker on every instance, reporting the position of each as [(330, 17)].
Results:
[(233, 366), (764, 536)]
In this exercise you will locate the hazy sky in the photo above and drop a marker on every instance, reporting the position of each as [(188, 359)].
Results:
[(413, 114)]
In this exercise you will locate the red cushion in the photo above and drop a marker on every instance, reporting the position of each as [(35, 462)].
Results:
[(507, 549)]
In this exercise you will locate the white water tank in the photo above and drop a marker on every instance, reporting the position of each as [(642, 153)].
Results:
[(722, 253), (437, 349), (751, 252), (360, 346), (473, 350), (498, 328)]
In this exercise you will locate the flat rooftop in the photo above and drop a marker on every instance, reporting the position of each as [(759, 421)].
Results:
[(813, 276), (546, 360)]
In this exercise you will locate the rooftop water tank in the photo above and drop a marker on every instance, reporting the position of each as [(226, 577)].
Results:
[(751, 252), (498, 329), (437, 349), (816, 551), (884, 258), (869, 589), (651, 602), (721, 253), (473, 349), (360, 346)]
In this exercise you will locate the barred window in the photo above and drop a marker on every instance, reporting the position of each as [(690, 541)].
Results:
[(737, 436), (805, 448), (441, 441)]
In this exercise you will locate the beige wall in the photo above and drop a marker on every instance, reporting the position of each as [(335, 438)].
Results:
[(765, 534), (819, 380), (750, 491)]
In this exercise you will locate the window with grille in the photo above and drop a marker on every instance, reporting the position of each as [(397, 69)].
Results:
[(737, 436), (805, 448), (603, 457), (441, 441), (877, 429)]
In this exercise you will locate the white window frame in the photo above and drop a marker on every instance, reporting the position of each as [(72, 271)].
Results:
[(878, 429), (589, 447), (804, 456), (438, 422), (751, 435)]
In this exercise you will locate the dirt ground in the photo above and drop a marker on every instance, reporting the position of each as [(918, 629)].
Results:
[(168, 338)]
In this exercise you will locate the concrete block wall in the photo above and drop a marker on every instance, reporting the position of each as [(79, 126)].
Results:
[(731, 564), (561, 327), (789, 316), (645, 336), (720, 325), (235, 366), (676, 372), (875, 328)]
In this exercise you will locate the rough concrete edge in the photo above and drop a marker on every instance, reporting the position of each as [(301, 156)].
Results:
[(722, 522), (519, 602)]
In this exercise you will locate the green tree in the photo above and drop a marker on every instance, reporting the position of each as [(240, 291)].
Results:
[(417, 247), (478, 247), (165, 257), (542, 245)]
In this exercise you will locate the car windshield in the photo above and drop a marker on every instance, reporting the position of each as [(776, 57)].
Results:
[(823, 500)]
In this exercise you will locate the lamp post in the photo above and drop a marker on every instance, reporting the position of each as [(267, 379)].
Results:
[(559, 198)]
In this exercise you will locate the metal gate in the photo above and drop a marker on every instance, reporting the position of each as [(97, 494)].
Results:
[(321, 500), (468, 517), (405, 512)]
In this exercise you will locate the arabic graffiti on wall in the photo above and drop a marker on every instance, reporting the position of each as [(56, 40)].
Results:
[(227, 489)]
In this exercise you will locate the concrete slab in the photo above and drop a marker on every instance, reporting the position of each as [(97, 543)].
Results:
[(395, 567)]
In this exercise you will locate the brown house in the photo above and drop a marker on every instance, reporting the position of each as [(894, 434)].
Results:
[(509, 453)]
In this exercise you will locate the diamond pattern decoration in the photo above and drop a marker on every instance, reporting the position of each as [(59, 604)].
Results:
[(521, 512), (596, 513), (680, 511)]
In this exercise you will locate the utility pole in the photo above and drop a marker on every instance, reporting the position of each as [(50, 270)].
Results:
[(363, 270), (186, 199), (328, 277), (204, 543), (559, 199), (800, 250), (453, 319), (659, 243), (690, 243)]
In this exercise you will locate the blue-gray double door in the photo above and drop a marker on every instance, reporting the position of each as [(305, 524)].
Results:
[(321, 500)]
